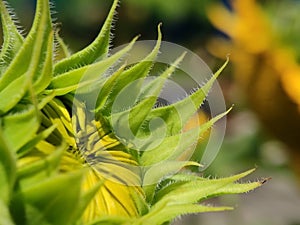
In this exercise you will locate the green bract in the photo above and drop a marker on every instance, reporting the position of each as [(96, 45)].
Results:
[(63, 162)]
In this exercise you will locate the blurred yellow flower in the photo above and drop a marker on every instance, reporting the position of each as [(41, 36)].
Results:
[(265, 68)]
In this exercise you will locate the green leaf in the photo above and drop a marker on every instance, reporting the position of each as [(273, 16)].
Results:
[(55, 198), (7, 170), (45, 77), (154, 87), (39, 137), (34, 212), (171, 147), (5, 218), (31, 55), (61, 48), (181, 195), (20, 73), (92, 53), (236, 188), (4, 184), (130, 121), (106, 89), (13, 93), (46, 165), (44, 100), (168, 148), (12, 39), (128, 85), (112, 220), (176, 115), (155, 173), (20, 128), (165, 213), (90, 73), (193, 191)]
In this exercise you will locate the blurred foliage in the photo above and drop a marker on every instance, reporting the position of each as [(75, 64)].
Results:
[(285, 21), (265, 67), (173, 10), (184, 22)]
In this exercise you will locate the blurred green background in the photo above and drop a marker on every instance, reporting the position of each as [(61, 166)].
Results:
[(249, 140)]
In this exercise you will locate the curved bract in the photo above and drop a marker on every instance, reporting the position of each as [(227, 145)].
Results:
[(65, 161)]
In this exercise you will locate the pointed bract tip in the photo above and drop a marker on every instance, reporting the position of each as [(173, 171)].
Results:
[(159, 31), (265, 180)]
